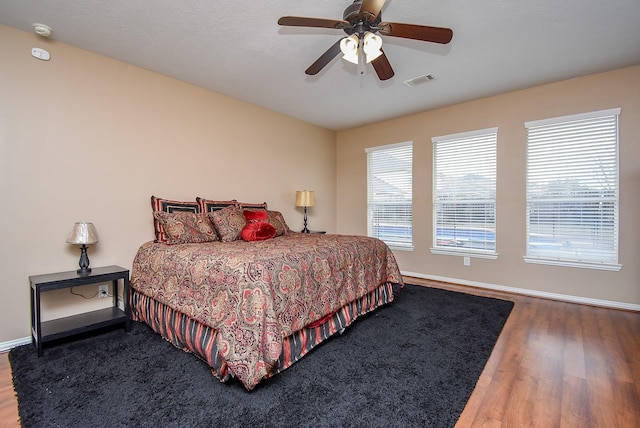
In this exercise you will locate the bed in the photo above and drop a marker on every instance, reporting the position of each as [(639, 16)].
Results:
[(252, 308)]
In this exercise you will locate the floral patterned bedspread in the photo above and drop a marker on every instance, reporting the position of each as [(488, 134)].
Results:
[(257, 293)]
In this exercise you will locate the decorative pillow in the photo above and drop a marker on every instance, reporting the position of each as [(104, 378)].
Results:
[(250, 206), (209, 206), (277, 220), (258, 231), (257, 228), (169, 206), (255, 215), (228, 222), (186, 228)]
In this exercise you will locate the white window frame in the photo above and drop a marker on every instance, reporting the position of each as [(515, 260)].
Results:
[(486, 141), (401, 180), (567, 135)]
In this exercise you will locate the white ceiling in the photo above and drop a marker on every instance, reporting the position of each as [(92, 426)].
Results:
[(237, 48)]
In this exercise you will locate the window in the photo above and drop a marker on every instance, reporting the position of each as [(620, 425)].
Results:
[(572, 190), (389, 194), (464, 193)]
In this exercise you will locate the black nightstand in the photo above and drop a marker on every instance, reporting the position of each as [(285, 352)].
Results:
[(321, 232), (42, 332)]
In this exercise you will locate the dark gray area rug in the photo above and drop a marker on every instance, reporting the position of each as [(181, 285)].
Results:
[(413, 363)]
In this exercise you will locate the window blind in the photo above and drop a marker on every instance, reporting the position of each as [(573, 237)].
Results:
[(390, 193), (572, 189), (464, 191)]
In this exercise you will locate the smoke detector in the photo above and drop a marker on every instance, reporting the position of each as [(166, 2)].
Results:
[(42, 30), (420, 79)]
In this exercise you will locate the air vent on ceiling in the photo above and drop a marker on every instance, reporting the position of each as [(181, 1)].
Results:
[(420, 79)]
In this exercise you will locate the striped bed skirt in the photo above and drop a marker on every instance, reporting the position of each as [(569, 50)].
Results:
[(191, 336)]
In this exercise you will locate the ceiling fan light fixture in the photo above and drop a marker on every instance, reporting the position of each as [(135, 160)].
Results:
[(349, 47), (358, 20), (372, 46)]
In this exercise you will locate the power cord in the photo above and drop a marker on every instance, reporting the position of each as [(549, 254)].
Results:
[(83, 296), (118, 301)]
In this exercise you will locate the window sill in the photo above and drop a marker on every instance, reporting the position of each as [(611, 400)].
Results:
[(399, 248), (458, 253), (576, 264)]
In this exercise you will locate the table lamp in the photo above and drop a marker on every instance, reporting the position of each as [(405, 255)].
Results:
[(83, 233), (305, 198)]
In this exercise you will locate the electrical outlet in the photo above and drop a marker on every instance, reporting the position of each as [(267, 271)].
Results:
[(103, 291), (467, 261)]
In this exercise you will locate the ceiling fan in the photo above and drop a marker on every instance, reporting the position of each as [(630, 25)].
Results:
[(362, 21)]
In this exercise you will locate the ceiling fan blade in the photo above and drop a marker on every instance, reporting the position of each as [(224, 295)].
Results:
[(299, 21), (382, 66), (324, 59), (370, 9), (417, 32)]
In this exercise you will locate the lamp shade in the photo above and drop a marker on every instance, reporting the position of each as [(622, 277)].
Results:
[(305, 198), (372, 46), (350, 47), (83, 233)]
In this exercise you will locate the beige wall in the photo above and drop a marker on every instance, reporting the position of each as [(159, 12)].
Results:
[(509, 111), (84, 137)]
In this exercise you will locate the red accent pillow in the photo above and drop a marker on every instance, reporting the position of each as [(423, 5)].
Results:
[(251, 215), (258, 231), (257, 228)]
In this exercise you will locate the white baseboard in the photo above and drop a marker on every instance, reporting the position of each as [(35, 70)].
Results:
[(5, 346), (533, 293)]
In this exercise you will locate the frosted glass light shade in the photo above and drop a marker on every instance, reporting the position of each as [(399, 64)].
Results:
[(372, 46), (349, 47), (305, 198), (83, 233), (352, 48)]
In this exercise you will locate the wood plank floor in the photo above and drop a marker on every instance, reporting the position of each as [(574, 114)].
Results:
[(555, 364), (8, 403)]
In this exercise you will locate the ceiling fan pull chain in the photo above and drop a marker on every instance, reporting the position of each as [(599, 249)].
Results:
[(361, 57)]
